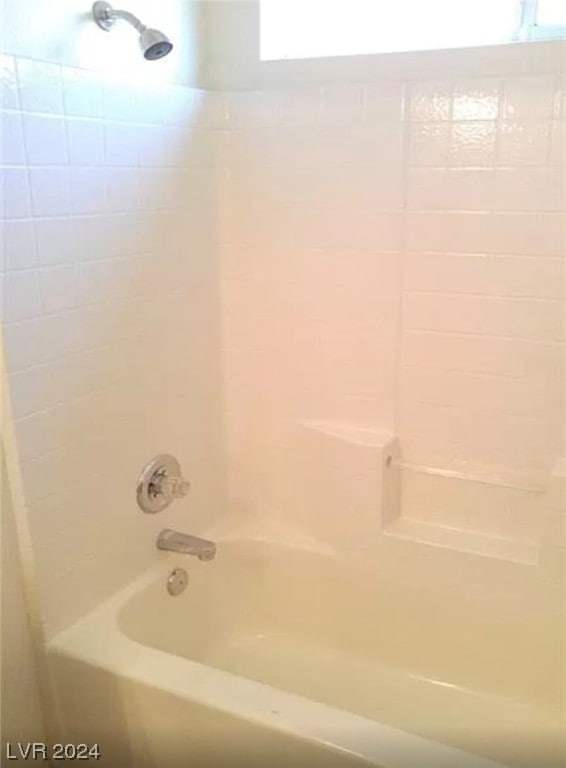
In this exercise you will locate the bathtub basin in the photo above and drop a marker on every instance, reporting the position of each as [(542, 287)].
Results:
[(289, 657)]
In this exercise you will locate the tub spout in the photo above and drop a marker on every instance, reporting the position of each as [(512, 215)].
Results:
[(174, 541)]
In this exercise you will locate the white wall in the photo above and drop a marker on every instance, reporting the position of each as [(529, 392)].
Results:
[(110, 307)]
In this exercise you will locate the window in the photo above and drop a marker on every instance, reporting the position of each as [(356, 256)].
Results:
[(543, 19), (551, 13), (294, 29)]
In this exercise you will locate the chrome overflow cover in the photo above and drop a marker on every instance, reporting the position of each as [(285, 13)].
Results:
[(160, 483), (177, 581)]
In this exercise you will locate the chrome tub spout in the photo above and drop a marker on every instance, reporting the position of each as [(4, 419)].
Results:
[(174, 541)]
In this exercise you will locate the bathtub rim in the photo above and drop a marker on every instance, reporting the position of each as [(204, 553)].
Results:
[(97, 640)]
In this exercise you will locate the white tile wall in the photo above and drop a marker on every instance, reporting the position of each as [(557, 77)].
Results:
[(109, 363), (395, 252), (392, 255), (485, 253)]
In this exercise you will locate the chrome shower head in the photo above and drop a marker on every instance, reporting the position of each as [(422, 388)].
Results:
[(154, 44)]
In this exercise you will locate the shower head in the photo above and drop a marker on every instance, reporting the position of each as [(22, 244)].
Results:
[(154, 44)]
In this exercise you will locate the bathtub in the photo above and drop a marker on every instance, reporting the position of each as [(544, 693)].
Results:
[(291, 657)]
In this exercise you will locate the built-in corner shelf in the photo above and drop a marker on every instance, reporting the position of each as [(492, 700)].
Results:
[(470, 542)]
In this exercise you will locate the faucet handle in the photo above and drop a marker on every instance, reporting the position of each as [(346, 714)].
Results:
[(160, 483), (176, 487)]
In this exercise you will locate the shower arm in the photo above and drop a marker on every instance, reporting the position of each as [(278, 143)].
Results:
[(105, 16), (127, 16)]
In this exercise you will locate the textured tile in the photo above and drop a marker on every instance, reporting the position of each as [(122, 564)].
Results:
[(40, 86), (524, 142), (46, 140), (50, 191), (88, 190), (527, 189), (82, 93), (530, 98), (55, 239), (12, 147), (60, 288), (454, 189), (472, 143), (430, 101), (476, 101), (430, 143), (21, 295), (86, 142), (519, 318), (17, 245), (14, 194)]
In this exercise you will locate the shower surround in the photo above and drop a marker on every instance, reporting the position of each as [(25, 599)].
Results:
[(278, 286), (393, 250), (394, 259)]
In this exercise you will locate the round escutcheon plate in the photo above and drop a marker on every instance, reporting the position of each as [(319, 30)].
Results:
[(177, 581)]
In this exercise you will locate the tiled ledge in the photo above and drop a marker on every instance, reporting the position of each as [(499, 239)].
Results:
[(472, 542)]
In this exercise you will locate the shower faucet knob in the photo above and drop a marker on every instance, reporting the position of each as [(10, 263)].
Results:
[(160, 483), (176, 487)]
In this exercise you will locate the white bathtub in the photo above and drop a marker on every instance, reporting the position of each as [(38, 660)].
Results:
[(283, 657)]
